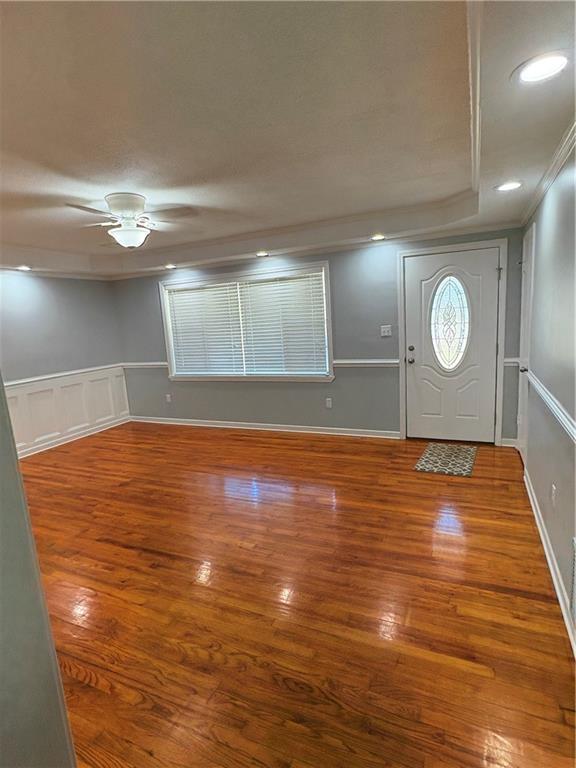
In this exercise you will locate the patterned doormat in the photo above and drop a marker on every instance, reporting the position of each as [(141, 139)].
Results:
[(447, 459)]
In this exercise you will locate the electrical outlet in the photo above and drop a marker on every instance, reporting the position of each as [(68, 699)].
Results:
[(385, 330), (553, 495), (168, 397), (328, 402)]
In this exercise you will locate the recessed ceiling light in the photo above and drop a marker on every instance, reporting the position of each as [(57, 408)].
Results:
[(262, 253), (508, 186), (542, 67), (170, 266), (24, 268), (377, 236)]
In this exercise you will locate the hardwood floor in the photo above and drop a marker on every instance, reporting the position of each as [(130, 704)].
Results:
[(236, 598)]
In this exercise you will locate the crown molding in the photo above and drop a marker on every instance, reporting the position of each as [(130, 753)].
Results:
[(474, 12), (346, 231), (559, 158), (398, 220), (418, 237), (350, 245), (327, 250), (58, 263), (293, 239)]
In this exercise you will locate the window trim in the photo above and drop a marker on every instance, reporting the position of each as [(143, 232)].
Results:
[(165, 286)]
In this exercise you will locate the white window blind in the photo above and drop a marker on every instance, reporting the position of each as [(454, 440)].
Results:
[(273, 326)]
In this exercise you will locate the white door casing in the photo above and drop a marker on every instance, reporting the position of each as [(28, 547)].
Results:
[(528, 246), (451, 389)]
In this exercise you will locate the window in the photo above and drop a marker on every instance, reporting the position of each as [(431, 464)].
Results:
[(261, 326), (450, 323)]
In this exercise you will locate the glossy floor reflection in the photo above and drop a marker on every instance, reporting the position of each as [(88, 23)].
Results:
[(234, 598)]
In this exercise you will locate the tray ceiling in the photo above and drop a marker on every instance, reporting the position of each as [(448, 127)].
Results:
[(284, 126), (260, 115)]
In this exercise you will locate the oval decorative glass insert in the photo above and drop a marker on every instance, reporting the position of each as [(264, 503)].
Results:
[(450, 322)]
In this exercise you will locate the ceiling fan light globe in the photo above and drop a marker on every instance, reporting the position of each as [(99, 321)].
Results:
[(129, 237)]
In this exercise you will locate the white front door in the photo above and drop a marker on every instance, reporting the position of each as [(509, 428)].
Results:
[(451, 310)]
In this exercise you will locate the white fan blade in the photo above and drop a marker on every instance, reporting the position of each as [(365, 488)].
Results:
[(176, 211), (87, 209)]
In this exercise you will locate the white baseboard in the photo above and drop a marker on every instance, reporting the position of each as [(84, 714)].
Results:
[(509, 442), (22, 453), (561, 593), (271, 427)]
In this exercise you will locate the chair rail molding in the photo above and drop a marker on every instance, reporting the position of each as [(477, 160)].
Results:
[(375, 362), (560, 413), (49, 410), (153, 364), (367, 363)]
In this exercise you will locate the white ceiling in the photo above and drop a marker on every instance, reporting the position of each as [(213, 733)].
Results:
[(284, 125), (521, 125)]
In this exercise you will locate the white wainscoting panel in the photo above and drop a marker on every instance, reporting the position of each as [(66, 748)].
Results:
[(50, 410)]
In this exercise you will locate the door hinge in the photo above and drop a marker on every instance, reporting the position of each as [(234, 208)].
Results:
[(499, 270)]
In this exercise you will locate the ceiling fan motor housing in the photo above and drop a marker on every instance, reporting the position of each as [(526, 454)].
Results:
[(126, 205)]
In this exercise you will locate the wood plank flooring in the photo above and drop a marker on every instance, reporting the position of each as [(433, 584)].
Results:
[(226, 598)]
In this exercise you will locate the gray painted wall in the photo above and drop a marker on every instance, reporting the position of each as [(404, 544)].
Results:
[(49, 325), (33, 725), (551, 459), (364, 296), (364, 398), (550, 451), (552, 347), (510, 402), (363, 284)]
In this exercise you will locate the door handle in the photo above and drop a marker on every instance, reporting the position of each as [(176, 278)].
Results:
[(523, 369), (410, 360)]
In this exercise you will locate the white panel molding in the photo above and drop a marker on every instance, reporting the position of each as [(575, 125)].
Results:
[(560, 156), (388, 435), (50, 410), (28, 451), (561, 593), (555, 407)]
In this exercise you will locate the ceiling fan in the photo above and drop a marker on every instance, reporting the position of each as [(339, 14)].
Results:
[(129, 218)]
